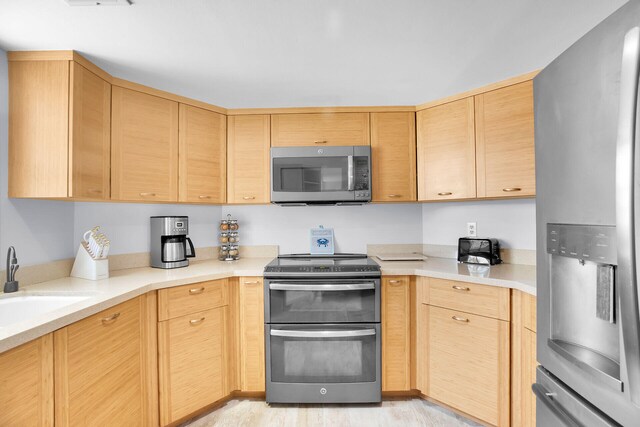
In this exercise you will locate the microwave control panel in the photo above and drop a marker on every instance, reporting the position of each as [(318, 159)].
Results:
[(362, 177)]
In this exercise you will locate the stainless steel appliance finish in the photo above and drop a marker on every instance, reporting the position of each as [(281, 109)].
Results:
[(322, 329), (326, 175), (586, 114), (170, 246)]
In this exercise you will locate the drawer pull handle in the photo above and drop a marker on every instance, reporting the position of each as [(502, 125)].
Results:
[(319, 142), (511, 189), (394, 195), (461, 288), (460, 319), (110, 319), (445, 193), (95, 191), (204, 197), (248, 197), (393, 282), (196, 291), (253, 282), (195, 322), (148, 194)]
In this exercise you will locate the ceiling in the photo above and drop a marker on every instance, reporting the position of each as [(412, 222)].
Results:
[(284, 53)]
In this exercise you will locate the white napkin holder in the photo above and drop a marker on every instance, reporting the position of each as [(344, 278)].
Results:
[(85, 267)]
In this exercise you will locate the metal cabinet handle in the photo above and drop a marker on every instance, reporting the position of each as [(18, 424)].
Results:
[(321, 287), (460, 288), (445, 193), (394, 195), (511, 189), (322, 334), (319, 142), (148, 194), (547, 400), (252, 282), (393, 282), (94, 191), (204, 197), (195, 322), (110, 319), (248, 197), (196, 291), (460, 319)]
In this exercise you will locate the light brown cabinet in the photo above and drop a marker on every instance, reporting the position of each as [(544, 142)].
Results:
[(192, 348), (59, 130), (252, 358), (447, 151), (393, 157), (202, 172), (248, 159), (396, 337), (319, 129), (144, 147), (523, 356), (505, 142), (104, 368), (26, 384)]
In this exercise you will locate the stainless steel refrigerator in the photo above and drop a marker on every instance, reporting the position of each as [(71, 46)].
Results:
[(587, 132)]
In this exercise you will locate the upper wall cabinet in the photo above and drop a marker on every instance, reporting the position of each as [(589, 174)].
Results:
[(144, 150), (447, 151), (319, 129), (248, 159), (202, 154), (59, 130), (393, 154), (505, 143)]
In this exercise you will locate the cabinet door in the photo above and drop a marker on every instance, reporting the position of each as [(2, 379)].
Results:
[(38, 128), (529, 366), (505, 143), (319, 129), (203, 156), (446, 151), (144, 161), (469, 364), (393, 154), (252, 334), (396, 330), (102, 369), (26, 384), (422, 348), (191, 360), (90, 138), (248, 154)]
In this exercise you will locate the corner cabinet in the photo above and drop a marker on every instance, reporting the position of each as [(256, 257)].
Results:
[(59, 130), (144, 147), (393, 156), (105, 367), (248, 157)]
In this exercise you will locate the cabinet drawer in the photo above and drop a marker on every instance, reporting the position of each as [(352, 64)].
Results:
[(469, 363), (188, 299), (490, 301)]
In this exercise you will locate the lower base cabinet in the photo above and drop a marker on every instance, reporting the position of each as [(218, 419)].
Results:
[(104, 368), (251, 329), (26, 384), (396, 330)]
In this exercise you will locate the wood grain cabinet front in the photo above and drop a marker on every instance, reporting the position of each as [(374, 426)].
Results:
[(104, 368), (396, 334), (59, 131), (319, 129), (144, 147), (393, 157), (252, 358), (26, 384)]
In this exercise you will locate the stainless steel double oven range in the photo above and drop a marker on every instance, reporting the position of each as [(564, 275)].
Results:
[(322, 329)]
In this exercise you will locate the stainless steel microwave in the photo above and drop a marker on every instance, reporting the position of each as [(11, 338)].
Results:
[(320, 175)]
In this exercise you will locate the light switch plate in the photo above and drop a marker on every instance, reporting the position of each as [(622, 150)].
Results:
[(472, 229)]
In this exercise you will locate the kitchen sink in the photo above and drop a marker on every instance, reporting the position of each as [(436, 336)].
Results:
[(15, 309)]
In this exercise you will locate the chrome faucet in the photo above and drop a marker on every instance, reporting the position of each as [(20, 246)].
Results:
[(11, 285)]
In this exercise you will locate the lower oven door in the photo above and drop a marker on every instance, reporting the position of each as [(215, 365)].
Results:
[(333, 363), (322, 301)]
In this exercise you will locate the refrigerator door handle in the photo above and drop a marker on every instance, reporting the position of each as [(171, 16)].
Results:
[(626, 165), (546, 399)]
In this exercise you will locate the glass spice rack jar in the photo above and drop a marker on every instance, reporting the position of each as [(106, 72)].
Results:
[(229, 239)]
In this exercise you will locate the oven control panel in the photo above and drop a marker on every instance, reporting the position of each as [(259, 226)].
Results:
[(322, 269)]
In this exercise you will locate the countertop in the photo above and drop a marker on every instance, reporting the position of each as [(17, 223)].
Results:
[(126, 284)]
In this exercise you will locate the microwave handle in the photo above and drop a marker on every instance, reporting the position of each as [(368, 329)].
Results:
[(350, 173)]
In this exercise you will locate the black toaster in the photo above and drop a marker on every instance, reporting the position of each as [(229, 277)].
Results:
[(473, 250)]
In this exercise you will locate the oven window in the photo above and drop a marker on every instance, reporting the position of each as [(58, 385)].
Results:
[(323, 360), (310, 174)]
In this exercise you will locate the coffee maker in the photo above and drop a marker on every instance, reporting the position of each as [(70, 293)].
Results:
[(169, 242)]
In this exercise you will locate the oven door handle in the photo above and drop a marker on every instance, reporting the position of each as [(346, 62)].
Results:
[(322, 334), (321, 287)]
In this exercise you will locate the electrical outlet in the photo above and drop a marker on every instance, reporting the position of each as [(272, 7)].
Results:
[(472, 229)]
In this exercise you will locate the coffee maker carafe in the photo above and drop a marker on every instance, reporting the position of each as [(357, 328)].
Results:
[(170, 246)]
